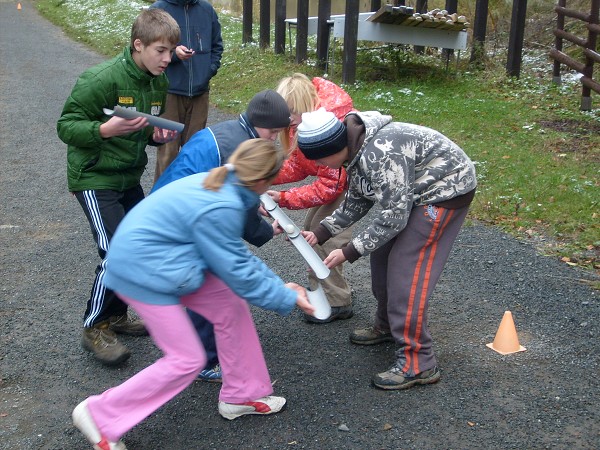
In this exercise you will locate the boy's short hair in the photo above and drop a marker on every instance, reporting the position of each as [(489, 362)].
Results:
[(153, 25)]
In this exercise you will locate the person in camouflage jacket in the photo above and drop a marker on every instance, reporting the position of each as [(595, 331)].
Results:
[(422, 184)]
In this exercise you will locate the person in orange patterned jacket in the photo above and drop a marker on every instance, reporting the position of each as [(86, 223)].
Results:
[(327, 191)]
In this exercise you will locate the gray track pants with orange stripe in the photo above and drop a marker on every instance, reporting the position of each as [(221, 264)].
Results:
[(404, 273)]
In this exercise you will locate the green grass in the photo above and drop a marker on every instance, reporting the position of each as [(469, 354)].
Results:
[(537, 155)]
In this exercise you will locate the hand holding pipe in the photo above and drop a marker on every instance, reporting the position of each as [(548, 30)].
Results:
[(318, 299), (296, 238), (155, 121)]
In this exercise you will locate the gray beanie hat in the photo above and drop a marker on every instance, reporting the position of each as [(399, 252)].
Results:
[(268, 109)]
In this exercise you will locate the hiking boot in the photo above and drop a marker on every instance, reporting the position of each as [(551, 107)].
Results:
[(264, 405), (337, 313), (211, 375), (394, 378), (370, 336), (103, 343), (126, 325), (84, 421)]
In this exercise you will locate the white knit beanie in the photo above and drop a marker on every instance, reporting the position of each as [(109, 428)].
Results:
[(321, 134)]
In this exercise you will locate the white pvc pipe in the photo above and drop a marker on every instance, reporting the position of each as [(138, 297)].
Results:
[(318, 299), (155, 121), (310, 256)]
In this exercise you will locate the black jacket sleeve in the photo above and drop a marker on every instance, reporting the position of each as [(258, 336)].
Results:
[(257, 230)]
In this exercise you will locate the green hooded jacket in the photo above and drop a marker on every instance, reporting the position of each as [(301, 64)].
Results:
[(116, 163)]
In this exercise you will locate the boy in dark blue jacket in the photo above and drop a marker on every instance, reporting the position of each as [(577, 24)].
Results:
[(195, 61)]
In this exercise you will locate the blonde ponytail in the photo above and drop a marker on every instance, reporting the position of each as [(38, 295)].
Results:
[(252, 161)]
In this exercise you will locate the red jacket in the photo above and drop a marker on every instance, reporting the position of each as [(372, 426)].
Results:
[(330, 183)]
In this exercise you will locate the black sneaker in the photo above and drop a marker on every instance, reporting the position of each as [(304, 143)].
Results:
[(394, 378), (337, 313)]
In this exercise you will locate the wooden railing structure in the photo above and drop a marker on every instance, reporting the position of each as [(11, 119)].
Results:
[(324, 29), (351, 30), (589, 49)]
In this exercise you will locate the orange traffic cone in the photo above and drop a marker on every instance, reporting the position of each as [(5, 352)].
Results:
[(506, 340), (18, 5)]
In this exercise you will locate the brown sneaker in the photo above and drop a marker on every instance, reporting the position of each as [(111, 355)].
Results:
[(126, 325), (370, 336), (103, 343)]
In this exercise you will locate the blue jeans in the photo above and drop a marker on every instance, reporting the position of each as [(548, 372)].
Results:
[(207, 335)]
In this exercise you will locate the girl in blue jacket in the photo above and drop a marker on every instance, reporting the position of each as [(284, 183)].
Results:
[(181, 248)]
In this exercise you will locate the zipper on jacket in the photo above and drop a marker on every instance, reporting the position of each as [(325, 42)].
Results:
[(190, 45), (347, 190)]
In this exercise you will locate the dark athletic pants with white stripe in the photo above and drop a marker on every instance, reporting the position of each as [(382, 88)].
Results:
[(404, 273), (104, 210)]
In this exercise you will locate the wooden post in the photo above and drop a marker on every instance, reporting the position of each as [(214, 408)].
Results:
[(590, 56), (246, 21), (515, 40), (589, 46), (558, 43), (302, 31), (479, 30), (323, 32), (280, 13), (375, 5), (265, 23), (350, 42), (451, 7), (421, 7)]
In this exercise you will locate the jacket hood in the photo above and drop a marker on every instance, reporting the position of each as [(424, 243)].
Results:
[(182, 2), (362, 127), (249, 198)]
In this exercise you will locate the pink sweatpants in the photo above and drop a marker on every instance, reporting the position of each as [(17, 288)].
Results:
[(245, 374)]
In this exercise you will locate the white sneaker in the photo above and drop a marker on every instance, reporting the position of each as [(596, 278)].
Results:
[(264, 405), (83, 420)]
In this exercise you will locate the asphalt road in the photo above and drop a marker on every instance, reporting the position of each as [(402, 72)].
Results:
[(545, 397)]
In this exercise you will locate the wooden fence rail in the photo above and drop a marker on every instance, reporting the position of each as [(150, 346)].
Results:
[(588, 45), (351, 29)]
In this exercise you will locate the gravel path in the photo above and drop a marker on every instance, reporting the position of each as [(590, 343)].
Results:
[(546, 397)]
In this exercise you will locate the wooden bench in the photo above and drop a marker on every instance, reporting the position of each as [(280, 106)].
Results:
[(425, 35), (402, 34), (312, 27), (397, 33)]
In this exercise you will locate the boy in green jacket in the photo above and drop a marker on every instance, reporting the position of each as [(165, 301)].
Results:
[(106, 157)]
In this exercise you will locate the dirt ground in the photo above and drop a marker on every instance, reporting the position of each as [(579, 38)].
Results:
[(545, 397)]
